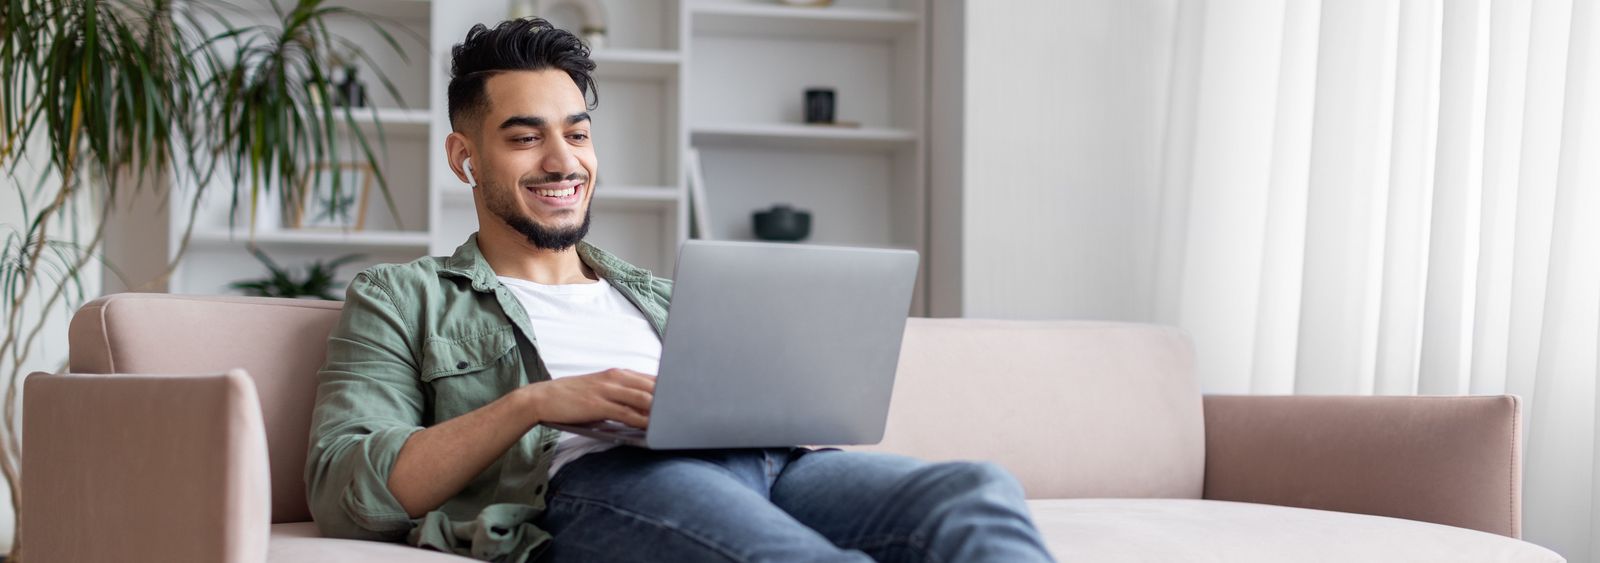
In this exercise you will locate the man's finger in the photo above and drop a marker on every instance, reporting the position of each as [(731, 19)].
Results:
[(632, 398), (627, 415), (640, 381)]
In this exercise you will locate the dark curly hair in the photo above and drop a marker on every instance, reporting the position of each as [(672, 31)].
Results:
[(519, 44)]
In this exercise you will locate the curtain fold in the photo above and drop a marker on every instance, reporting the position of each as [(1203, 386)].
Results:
[(1397, 197)]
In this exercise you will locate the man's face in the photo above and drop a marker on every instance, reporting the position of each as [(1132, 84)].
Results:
[(535, 163)]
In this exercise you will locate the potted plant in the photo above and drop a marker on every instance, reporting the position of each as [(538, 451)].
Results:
[(318, 282), (108, 100)]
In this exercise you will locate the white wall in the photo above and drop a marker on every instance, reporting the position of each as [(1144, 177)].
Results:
[(1057, 205)]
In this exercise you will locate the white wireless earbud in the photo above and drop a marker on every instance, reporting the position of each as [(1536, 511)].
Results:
[(466, 163)]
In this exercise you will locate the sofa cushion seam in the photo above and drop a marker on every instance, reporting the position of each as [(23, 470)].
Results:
[(105, 340)]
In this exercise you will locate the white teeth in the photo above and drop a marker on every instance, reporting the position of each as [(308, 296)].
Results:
[(557, 193)]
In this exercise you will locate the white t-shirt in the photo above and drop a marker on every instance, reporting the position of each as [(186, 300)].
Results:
[(584, 328)]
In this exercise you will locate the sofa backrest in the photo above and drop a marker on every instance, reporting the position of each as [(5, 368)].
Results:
[(1073, 409), (281, 343)]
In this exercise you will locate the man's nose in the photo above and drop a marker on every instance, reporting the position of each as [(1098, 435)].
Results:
[(561, 160)]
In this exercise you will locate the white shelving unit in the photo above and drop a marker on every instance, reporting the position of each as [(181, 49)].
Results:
[(723, 76), (749, 63)]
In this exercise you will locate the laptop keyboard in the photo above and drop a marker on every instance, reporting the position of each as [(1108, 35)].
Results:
[(620, 429)]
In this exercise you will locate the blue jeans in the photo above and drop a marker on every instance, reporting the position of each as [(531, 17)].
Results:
[(631, 504)]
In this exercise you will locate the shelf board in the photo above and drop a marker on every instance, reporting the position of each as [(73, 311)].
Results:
[(662, 194), (803, 136), (810, 242), (402, 10), (365, 239), (801, 22), (636, 63), (406, 10), (395, 121)]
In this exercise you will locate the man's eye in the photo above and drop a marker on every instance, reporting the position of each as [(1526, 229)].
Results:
[(579, 136), (528, 139)]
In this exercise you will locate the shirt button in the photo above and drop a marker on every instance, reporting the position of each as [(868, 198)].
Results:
[(461, 365)]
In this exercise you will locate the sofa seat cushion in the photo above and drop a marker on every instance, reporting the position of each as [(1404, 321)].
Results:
[(1115, 530), (301, 543)]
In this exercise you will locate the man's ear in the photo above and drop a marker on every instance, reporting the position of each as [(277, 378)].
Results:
[(458, 154)]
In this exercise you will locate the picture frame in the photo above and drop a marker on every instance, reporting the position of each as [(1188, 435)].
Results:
[(322, 209)]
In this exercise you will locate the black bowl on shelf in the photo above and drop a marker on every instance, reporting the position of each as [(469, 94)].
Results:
[(782, 223)]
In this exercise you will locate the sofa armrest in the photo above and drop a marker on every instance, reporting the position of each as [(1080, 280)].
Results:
[(144, 468), (1447, 460)]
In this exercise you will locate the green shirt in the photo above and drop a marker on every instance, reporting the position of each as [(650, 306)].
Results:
[(421, 343)]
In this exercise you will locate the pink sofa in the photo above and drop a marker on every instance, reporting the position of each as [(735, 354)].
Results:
[(199, 456)]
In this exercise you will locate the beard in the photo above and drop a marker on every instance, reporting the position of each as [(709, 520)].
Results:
[(502, 202)]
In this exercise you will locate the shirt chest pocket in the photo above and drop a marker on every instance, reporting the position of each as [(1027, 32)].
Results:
[(467, 372)]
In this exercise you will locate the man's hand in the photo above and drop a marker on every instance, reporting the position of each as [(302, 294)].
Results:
[(614, 394)]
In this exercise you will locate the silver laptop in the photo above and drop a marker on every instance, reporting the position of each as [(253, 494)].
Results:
[(772, 345)]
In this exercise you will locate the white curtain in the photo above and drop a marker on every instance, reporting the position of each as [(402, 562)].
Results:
[(1396, 197)]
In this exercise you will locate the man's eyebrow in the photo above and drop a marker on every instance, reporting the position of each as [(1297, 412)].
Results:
[(534, 122), (528, 121)]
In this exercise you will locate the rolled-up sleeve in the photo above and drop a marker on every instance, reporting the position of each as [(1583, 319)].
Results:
[(369, 402)]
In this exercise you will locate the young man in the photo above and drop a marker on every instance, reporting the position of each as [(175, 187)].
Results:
[(427, 421)]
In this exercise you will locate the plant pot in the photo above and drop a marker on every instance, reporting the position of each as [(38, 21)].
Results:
[(782, 223)]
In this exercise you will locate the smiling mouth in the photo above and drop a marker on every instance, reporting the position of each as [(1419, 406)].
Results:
[(557, 193), (560, 194)]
